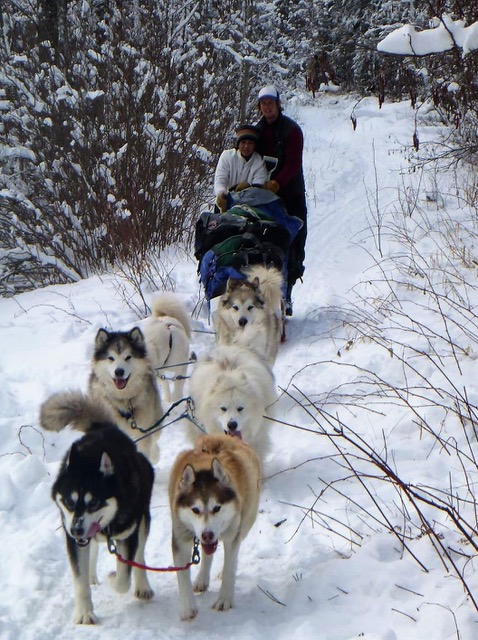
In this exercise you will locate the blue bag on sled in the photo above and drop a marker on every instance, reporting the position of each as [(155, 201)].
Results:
[(256, 229)]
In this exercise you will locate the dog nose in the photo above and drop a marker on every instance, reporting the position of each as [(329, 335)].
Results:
[(242, 322), (207, 537), (232, 425), (119, 373), (77, 528)]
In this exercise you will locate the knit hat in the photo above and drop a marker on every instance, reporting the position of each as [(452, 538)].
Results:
[(247, 132), (269, 92)]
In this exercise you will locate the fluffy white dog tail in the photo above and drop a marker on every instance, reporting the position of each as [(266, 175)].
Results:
[(170, 304)]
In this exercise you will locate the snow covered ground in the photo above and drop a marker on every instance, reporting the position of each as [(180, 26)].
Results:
[(320, 561)]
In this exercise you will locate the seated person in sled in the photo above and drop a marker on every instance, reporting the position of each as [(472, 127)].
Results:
[(250, 224), (240, 167)]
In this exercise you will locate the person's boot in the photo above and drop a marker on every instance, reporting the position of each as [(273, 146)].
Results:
[(288, 301)]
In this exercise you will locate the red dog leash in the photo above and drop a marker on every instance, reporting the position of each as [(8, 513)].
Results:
[(194, 560)]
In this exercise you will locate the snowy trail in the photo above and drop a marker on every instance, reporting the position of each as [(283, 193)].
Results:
[(296, 579), (344, 175)]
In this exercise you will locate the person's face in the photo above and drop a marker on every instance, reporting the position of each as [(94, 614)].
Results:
[(269, 109), (247, 148)]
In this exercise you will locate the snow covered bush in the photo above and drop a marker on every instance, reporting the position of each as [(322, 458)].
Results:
[(110, 131)]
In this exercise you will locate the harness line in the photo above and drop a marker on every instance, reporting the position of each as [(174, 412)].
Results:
[(171, 366), (155, 427)]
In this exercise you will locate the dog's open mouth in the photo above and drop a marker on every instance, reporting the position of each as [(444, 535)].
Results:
[(120, 382), (82, 542), (235, 434), (209, 549), (91, 533)]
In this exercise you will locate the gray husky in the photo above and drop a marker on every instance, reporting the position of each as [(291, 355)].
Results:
[(250, 312), (103, 492)]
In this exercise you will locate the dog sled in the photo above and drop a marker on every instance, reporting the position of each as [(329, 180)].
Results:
[(255, 229)]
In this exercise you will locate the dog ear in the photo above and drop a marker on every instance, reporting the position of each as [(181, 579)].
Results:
[(233, 283), (136, 336), (188, 477), (106, 466), (102, 338), (219, 473), (256, 283)]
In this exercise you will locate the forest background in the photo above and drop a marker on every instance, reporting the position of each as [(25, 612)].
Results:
[(113, 112)]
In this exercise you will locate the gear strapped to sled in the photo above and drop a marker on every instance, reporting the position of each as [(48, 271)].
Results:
[(256, 229)]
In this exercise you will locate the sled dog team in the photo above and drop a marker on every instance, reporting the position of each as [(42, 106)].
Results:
[(104, 485)]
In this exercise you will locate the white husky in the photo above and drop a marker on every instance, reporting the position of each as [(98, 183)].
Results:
[(214, 495), (168, 333), (232, 388), (250, 312)]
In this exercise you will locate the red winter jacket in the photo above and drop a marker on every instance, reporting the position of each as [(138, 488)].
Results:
[(283, 139)]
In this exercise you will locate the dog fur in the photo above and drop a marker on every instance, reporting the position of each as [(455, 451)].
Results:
[(214, 495), (249, 313), (103, 490), (232, 388), (168, 333), (122, 377)]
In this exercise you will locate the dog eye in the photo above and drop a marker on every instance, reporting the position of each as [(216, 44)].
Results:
[(240, 409), (128, 358), (235, 307), (196, 510), (250, 307), (217, 508), (69, 503), (93, 505), (223, 408), (111, 359)]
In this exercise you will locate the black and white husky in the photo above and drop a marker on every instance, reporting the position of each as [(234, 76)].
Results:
[(103, 492)]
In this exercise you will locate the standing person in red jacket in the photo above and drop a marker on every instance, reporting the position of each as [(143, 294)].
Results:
[(282, 138)]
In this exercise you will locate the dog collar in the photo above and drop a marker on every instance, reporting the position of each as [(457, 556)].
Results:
[(126, 414)]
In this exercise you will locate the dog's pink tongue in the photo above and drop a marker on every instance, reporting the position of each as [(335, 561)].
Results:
[(93, 530), (236, 434), (209, 549), (121, 382)]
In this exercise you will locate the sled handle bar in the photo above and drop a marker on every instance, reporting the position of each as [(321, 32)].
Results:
[(271, 164)]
